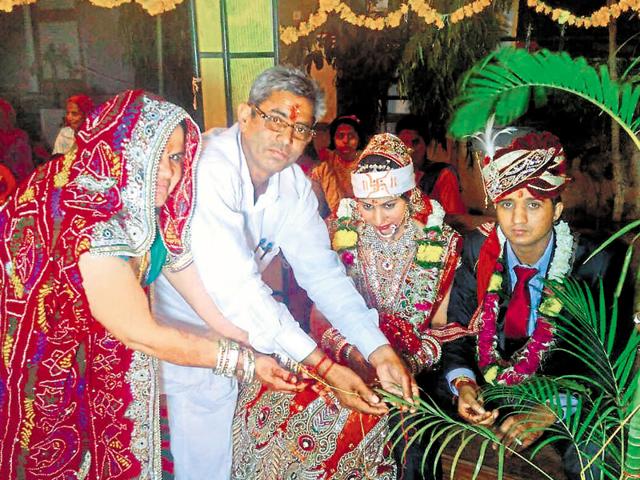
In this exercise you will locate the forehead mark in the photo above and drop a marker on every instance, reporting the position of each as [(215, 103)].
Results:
[(294, 112), (520, 194)]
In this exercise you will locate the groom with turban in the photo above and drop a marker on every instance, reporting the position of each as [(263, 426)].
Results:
[(499, 289)]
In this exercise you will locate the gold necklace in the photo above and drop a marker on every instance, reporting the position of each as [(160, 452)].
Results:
[(385, 263)]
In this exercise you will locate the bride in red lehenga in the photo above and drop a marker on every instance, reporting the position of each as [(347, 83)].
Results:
[(402, 257)]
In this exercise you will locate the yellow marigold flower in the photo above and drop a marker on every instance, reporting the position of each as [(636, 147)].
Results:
[(344, 239), (404, 8), (491, 374), (550, 307), (495, 282), (532, 3), (429, 253)]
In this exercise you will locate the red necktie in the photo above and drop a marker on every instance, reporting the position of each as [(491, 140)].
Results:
[(516, 318)]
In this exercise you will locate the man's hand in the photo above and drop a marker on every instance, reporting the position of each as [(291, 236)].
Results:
[(274, 377), (393, 374), (519, 431), (352, 391), (471, 408)]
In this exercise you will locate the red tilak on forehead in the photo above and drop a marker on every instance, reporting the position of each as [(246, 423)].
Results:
[(520, 194), (294, 112)]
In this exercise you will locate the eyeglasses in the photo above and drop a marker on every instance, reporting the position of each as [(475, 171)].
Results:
[(277, 124)]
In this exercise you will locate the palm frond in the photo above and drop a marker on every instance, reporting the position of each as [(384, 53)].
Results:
[(504, 83), (589, 330), (444, 431), (632, 459)]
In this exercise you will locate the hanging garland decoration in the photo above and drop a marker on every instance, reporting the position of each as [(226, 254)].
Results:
[(600, 18), (153, 7), (430, 15)]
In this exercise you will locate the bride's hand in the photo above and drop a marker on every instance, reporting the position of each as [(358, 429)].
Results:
[(274, 377)]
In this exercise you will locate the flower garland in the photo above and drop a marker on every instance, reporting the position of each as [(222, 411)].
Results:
[(429, 251), (527, 360), (430, 15), (153, 7), (420, 350), (600, 18)]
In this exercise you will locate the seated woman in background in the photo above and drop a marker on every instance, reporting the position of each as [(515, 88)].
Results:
[(332, 177), (7, 183), (77, 109), (15, 150), (85, 234), (402, 258)]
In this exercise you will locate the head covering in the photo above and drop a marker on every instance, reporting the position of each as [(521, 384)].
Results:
[(84, 103), (113, 174), (536, 161), (384, 180), (351, 120)]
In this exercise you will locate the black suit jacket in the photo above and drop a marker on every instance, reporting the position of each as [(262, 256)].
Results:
[(462, 352)]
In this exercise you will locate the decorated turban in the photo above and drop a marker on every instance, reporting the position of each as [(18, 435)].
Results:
[(535, 161), (383, 179)]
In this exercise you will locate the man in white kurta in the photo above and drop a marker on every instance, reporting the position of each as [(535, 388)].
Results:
[(240, 224)]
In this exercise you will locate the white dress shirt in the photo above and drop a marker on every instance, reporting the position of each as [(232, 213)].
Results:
[(226, 232)]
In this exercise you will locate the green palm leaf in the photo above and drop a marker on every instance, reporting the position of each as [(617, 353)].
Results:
[(503, 83), (590, 332), (450, 432)]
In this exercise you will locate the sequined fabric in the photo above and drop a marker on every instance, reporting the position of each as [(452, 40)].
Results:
[(308, 435), (75, 401)]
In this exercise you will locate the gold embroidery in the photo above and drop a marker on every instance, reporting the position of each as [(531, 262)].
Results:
[(6, 349), (18, 287), (27, 196), (27, 424), (65, 363), (61, 178), (42, 294)]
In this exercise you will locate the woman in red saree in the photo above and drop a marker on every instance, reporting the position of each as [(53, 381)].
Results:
[(15, 150), (85, 234), (402, 257)]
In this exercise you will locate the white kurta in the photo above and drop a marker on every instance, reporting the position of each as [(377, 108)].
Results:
[(227, 229)]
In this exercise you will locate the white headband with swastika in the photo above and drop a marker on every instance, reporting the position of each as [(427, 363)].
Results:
[(381, 184)]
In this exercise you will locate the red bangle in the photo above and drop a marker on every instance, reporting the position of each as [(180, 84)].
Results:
[(326, 372), (316, 367)]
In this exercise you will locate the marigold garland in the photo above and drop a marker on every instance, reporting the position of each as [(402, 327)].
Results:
[(430, 15), (600, 18), (153, 7)]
